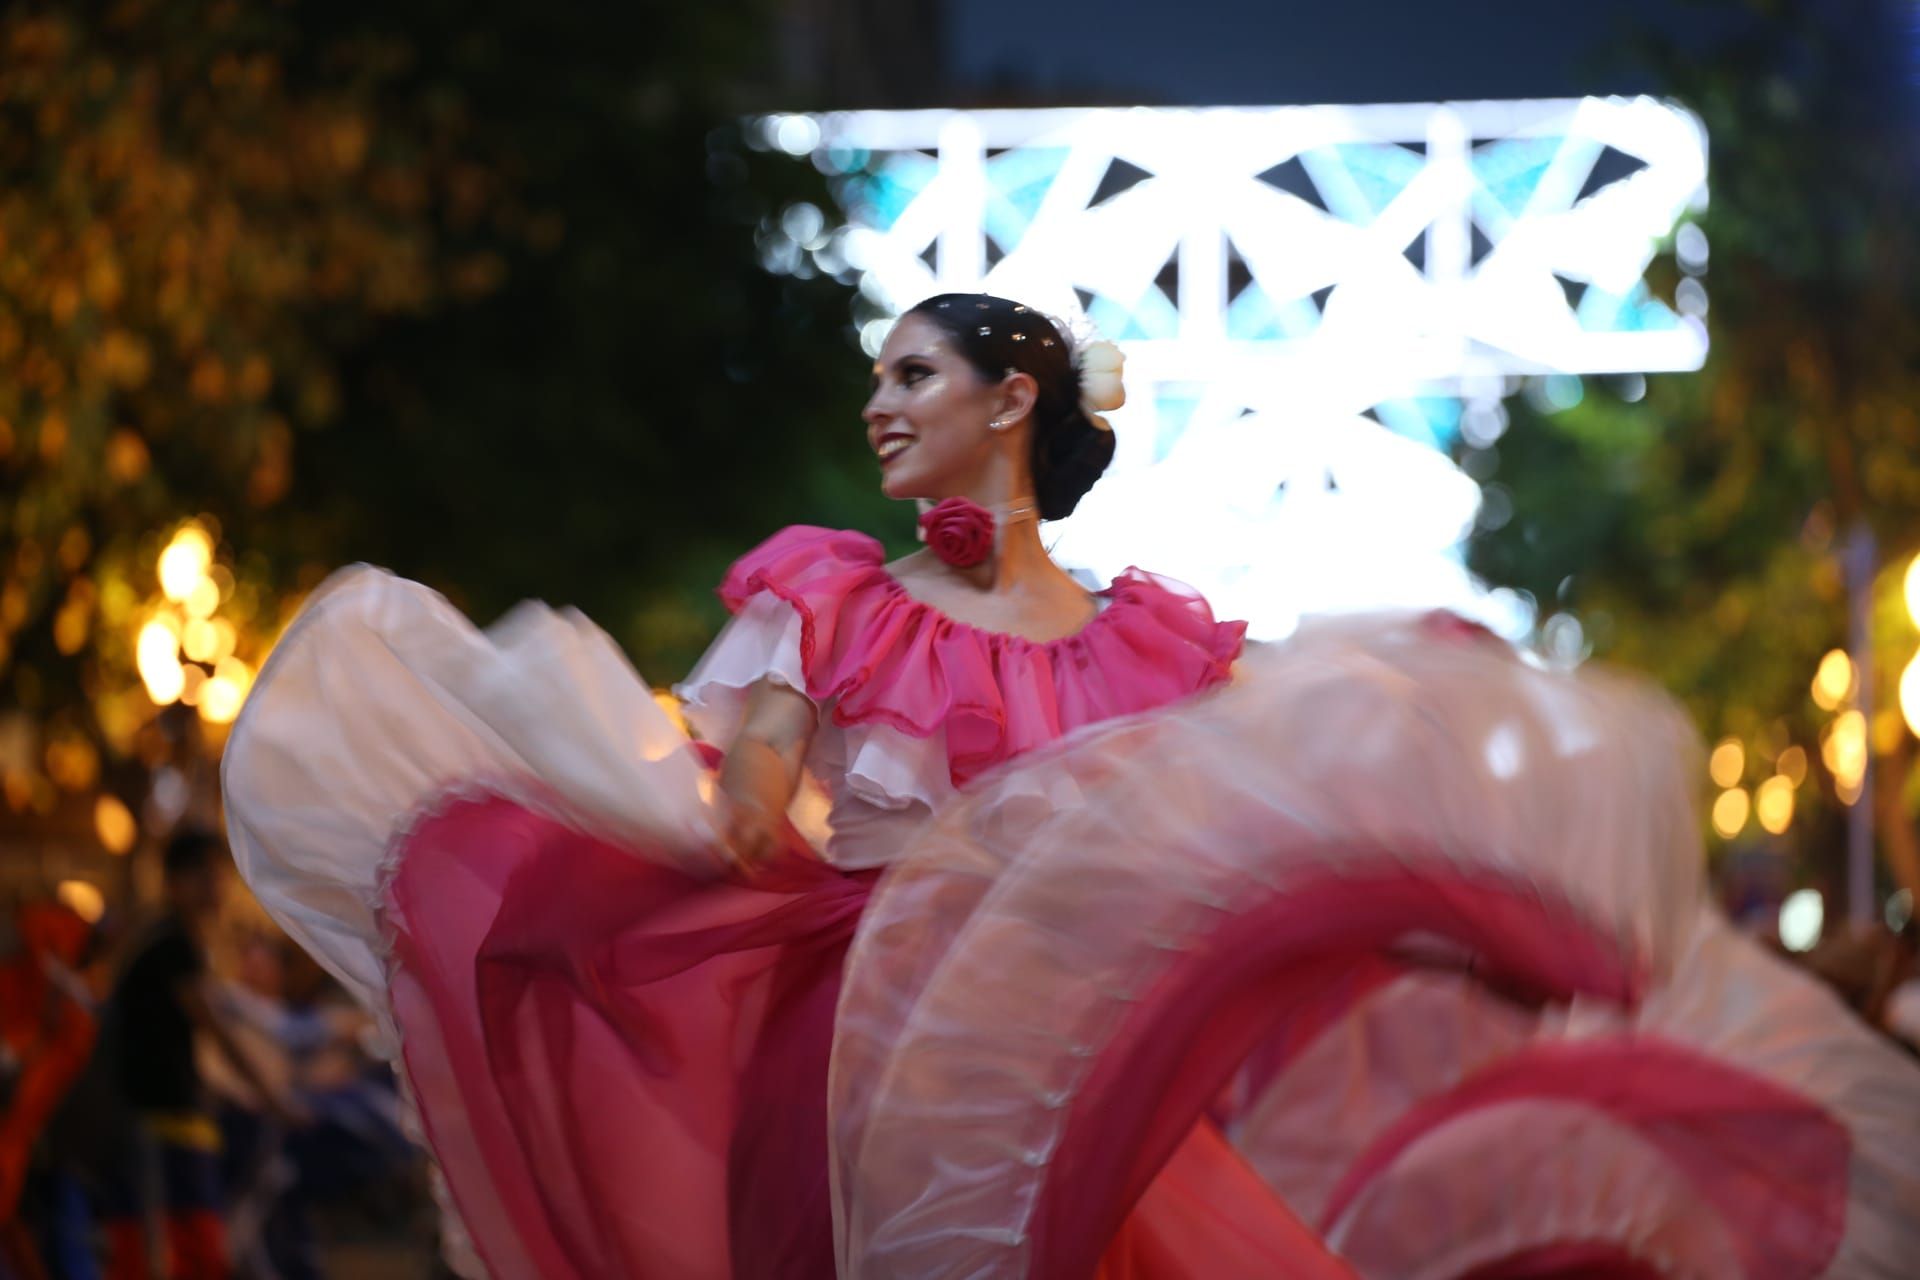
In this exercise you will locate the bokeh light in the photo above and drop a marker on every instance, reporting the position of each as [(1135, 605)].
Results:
[(224, 692), (83, 899), (1773, 804), (199, 640), (203, 599), (795, 135), (1899, 911), (184, 564), (1792, 765), (1833, 682), (1802, 917), (113, 823), (1910, 694), (157, 655), (1845, 754), (1728, 764), (1730, 813)]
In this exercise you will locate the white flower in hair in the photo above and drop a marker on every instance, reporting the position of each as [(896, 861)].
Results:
[(1101, 387)]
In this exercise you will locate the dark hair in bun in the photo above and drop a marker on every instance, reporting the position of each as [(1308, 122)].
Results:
[(998, 336)]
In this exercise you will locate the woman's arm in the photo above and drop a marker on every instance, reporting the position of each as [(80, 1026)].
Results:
[(762, 769)]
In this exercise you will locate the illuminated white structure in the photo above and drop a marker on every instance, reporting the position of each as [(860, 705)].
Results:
[(1314, 301)]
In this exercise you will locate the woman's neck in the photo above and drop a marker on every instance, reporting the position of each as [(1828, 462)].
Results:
[(1019, 563), (1017, 590), (1019, 559)]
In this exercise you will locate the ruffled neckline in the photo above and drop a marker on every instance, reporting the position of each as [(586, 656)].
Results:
[(880, 655)]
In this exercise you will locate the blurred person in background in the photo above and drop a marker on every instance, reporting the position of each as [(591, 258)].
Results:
[(1894, 1002), (267, 1224), (46, 1035), (1873, 970), (356, 1151), (160, 1004), (88, 1142), (305, 1038)]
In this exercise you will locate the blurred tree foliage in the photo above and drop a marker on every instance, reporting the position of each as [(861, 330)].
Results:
[(469, 291), (638, 400), (1699, 533)]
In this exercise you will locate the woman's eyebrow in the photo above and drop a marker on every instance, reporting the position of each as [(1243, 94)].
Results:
[(878, 368)]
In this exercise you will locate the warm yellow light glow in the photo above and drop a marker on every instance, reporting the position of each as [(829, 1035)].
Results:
[(83, 899), (1773, 803), (1913, 591), (113, 823), (70, 627), (1730, 813), (1910, 691), (1728, 763), (219, 702), (671, 705), (1833, 682), (200, 640), (157, 654), (165, 686), (203, 599), (236, 673), (222, 696), (72, 763), (1888, 729), (1845, 753), (184, 564), (224, 639), (1792, 765)]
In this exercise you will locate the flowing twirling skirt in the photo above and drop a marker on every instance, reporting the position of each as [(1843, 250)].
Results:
[(1388, 959)]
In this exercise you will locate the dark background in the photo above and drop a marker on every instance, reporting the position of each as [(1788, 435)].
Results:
[(1216, 51)]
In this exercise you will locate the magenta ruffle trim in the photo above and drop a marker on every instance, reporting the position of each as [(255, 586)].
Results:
[(883, 657)]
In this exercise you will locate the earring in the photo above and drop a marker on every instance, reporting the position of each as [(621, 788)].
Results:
[(998, 424)]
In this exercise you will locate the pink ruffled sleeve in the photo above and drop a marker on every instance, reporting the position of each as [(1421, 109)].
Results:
[(787, 596), (762, 642)]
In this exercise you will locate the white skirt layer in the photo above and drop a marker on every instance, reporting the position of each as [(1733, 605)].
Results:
[(382, 697), (1059, 900)]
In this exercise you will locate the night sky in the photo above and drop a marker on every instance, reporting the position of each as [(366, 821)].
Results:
[(1234, 51)]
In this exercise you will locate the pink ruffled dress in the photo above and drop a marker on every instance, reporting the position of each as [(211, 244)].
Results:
[(1375, 953)]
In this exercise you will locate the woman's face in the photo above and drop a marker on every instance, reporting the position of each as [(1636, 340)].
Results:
[(927, 416)]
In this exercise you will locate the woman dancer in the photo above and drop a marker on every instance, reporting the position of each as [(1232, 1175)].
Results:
[(1023, 931)]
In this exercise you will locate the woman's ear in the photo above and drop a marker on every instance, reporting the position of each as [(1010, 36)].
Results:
[(1018, 394)]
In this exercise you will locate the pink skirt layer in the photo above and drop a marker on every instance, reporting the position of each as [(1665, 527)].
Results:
[(623, 1068)]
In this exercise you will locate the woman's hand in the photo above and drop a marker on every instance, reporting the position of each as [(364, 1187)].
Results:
[(750, 834), (761, 772)]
